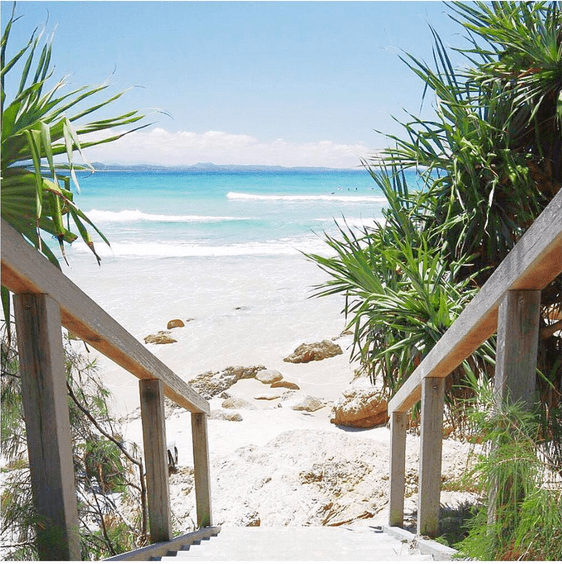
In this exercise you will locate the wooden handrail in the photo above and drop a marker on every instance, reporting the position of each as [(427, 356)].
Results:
[(533, 263), (44, 300), (25, 271)]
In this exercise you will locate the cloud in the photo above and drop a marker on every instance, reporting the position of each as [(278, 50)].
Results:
[(159, 146)]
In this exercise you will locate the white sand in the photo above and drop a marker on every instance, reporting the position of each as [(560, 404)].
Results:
[(281, 467)]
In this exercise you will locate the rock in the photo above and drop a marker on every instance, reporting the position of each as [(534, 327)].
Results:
[(305, 403), (360, 407), (237, 403), (253, 520), (300, 478), (314, 351), (285, 384), (226, 415), (161, 338), (269, 376), (173, 323), (211, 384), (268, 397)]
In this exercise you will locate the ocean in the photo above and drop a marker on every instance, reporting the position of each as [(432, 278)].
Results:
[(223, 250)]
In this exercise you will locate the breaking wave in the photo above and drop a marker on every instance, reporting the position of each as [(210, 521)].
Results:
[(126, 216)]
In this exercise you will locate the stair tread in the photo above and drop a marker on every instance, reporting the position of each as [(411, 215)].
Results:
[(300, 543)]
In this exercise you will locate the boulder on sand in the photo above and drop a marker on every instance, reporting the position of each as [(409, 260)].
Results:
[(269, 376), (237, 403), (308, 352), (301, 402), (360, 407), (285, 384), (211, 384), (161, 338), (267, 397), (173, 323), (226, 415)]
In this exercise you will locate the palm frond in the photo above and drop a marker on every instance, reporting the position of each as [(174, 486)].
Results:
[(36, 130)]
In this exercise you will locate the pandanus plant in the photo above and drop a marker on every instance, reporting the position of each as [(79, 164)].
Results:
[(489, 160), (44, 126)]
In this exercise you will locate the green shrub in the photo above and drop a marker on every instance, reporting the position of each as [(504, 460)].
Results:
[(520, 484)]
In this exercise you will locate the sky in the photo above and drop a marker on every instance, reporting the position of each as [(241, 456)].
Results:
[(276, 83)]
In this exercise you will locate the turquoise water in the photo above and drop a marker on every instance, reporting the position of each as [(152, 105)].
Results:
[(218, 214)]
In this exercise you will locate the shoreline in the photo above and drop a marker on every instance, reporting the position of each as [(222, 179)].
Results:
[(240, 312)]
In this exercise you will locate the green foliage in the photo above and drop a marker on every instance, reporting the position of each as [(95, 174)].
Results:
[(496, 164), (519, 481), (109, 473), (488, 163), (43, 122), (401, 293), (12, 437), (19, 519)]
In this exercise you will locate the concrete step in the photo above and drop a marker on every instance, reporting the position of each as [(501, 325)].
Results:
[(299, 543)]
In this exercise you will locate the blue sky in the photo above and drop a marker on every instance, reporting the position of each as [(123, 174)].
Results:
[(290, 83)]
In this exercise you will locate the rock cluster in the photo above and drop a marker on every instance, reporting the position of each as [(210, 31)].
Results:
[(307, 352), (163, 337), (211, 384), (266, 472), (306, 478)]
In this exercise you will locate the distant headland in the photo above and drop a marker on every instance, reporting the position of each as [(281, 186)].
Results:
[(211, 167)]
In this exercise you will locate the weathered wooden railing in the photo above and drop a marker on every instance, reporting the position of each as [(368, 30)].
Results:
[(508, 304), (44, 300)]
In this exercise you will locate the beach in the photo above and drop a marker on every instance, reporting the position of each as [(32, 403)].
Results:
[(224, 253), (232, 270)]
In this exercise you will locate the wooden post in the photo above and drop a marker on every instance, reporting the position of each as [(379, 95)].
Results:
[(201, 469), (518, 337), (44, 396), (397, 468), (433, 393), (156, 459), (516, 363)]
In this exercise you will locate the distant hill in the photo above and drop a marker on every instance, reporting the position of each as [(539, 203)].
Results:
[(206, 167)]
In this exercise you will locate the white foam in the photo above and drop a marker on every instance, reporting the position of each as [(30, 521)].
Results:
[(305, 197), (124, 216), (167, 250)]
